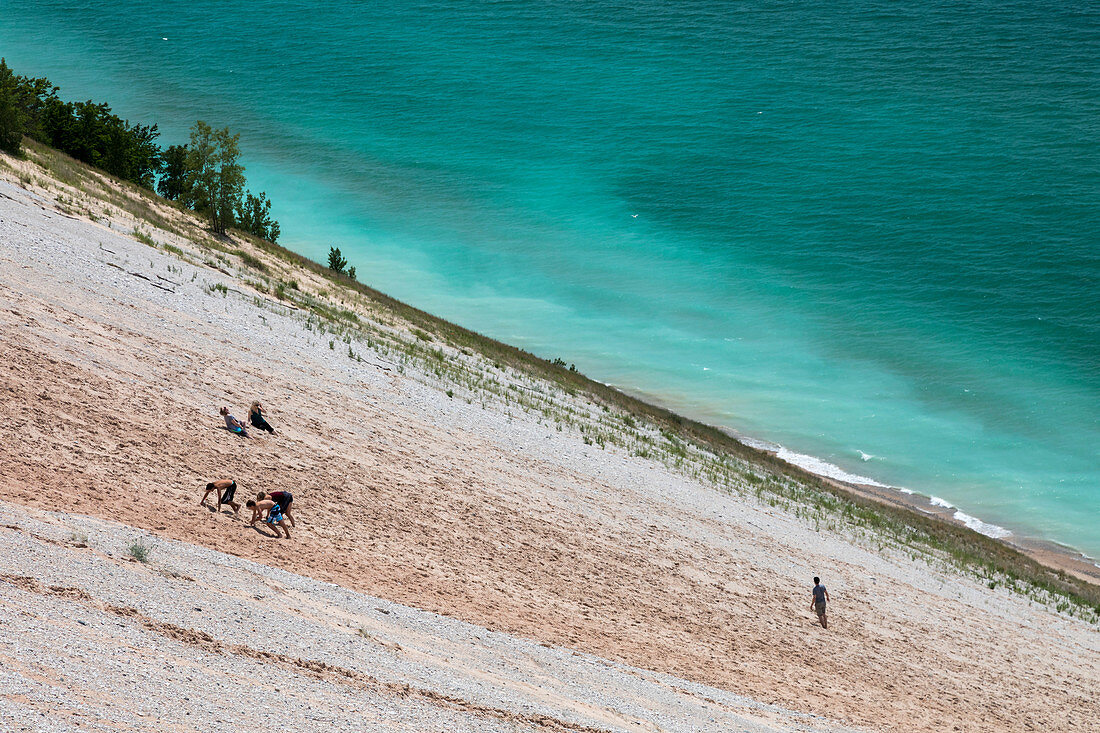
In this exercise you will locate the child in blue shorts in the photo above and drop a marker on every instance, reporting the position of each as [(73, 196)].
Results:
[(274, 517)]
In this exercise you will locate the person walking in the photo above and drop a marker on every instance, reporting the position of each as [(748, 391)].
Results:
[(821, 597)]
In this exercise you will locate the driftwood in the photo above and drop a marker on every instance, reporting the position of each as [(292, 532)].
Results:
[(138, 274)]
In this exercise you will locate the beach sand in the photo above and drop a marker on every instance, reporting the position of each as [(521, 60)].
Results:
[(118, 355)]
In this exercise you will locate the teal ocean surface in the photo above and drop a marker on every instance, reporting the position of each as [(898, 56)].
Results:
[(868, 233)]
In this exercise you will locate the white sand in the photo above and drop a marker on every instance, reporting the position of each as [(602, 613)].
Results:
[(483, 514)]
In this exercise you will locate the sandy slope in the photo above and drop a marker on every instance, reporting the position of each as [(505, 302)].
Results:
[(198, 640), (111, 388)]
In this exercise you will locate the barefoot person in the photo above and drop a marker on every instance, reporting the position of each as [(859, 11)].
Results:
[(821, 596), (224, 489), (284, 499), (232, 424), (256, 417), (274, 515)]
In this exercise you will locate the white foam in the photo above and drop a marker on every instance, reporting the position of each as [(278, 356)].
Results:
[(828, 470), (864, 456), (811, 464), (989, 530), (824, 468)]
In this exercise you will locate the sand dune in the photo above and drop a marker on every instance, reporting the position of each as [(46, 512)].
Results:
[(111, 386)]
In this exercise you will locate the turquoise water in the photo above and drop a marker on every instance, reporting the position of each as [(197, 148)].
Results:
[(867, 233)]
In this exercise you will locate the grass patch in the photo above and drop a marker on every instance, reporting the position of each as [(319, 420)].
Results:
[(140, 551), (252, 261), (143, 237)]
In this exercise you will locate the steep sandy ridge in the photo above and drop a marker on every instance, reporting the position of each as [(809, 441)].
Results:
[(110, 390), (198, 640)]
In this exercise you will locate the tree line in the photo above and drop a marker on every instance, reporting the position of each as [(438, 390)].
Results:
[(204, 175)]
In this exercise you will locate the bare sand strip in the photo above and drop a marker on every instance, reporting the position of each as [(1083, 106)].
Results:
[(483, 513), (194, 639)]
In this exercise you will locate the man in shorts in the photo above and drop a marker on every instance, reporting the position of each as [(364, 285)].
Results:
[(274, 515), (225, 489), (821, 597)]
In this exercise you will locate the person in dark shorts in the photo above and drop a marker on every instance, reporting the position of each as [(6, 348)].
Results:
[(224, 489), (274, 515), (821, 597), (284, 499), (256, 417)]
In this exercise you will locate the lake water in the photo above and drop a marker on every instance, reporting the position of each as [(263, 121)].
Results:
[(866, 232)]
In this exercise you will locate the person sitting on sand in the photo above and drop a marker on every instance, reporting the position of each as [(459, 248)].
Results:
[(821, 596), (256, 417), (225, 489), (283, 498), (232, 424), (274, 515)]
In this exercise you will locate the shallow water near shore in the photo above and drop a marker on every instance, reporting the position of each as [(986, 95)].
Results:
[(868, 237)]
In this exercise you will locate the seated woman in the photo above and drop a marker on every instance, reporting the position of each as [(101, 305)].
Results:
[(256, 417), (232, 424)]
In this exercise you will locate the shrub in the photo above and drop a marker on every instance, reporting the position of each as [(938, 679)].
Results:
[(139, 551)]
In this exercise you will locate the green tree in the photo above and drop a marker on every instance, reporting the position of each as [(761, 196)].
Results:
[(12, 119), (85, 130), (254, 216), (91, 132), (31, 98), (216, 178), (336, 261), (173, 180)]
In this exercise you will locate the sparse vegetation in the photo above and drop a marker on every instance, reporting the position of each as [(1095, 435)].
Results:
[(144, 237), (251, 261), (140, 551)]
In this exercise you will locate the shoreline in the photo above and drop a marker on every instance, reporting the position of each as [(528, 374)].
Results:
[(1047, 553), (446, 472), (1052, 554)]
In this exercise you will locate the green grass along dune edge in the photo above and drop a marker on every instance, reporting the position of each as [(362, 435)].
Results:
[(452, 354)]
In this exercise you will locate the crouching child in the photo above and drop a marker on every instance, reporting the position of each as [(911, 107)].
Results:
[(274, 516)]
